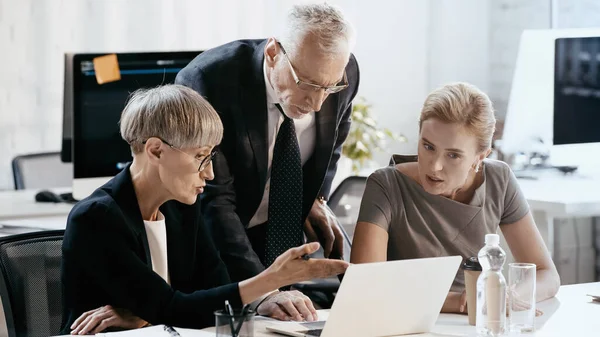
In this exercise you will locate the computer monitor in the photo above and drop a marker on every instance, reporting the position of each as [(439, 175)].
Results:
[(576, 90), (530, 110), (66, 149), (98, 151)]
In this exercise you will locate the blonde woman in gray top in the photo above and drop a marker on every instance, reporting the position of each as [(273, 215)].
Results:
[(443, 201)]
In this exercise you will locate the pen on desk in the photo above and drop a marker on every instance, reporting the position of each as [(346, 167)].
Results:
[(229, 310), (172, 332), (245, 309), (241, 322)]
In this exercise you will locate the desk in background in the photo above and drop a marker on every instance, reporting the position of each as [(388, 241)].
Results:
[(564, 208), (19, 212)]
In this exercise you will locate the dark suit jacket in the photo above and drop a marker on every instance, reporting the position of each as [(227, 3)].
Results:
[(106, 261), (231, 78)]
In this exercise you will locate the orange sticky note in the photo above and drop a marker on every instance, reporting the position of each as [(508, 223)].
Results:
[(107, 68)]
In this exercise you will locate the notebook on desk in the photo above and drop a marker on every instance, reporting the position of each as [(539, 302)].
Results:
[(157, 331), (384, 299)]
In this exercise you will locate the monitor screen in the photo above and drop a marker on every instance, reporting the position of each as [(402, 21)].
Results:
[(577, 90), (98, 149)]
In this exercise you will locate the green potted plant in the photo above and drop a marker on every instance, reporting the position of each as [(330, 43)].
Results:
[(365, 136)]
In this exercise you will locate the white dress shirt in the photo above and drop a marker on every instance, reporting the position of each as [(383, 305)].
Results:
[(156, 231), (306, 132)]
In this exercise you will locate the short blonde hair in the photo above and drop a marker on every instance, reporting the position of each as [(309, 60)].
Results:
[(174, 113), (465, 104)]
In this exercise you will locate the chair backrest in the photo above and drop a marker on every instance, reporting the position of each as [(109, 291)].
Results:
[(345, 202), (41, 170), (30, 283)]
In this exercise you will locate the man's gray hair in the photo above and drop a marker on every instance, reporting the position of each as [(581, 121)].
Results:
[(174, 113), (334, 33)]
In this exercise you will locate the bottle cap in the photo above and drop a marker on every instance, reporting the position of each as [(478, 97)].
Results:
[(472, 263), (492, 239)]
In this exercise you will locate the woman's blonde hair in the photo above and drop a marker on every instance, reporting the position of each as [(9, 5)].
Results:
[(464, 104), (174, 113)]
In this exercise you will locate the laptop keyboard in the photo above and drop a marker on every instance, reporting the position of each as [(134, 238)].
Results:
[(315, 328)]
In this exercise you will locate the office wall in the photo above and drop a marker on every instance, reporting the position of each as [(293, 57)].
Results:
[(508, 19), (392, 52), (405, 48), (35, 34), (459, 43)]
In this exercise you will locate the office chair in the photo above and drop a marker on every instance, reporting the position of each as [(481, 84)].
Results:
[(41, 171), (345, 204), (30, 285)]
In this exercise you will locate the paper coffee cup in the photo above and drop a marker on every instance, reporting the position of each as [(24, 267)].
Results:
[(472, 269)]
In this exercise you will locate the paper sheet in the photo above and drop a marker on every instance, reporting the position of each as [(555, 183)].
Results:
[(157, 331)]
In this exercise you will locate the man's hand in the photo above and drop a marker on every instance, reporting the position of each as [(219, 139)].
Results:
[(98, 320), (288, 305), (321, 225)]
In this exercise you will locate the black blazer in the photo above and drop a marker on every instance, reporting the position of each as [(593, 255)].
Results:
[(231, 78), (106, 261)]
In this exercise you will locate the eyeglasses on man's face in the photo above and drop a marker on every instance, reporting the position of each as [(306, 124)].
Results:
[(204, 162), (307, 86)]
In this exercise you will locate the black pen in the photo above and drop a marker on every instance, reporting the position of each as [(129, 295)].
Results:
[(241, 322), (172, 332), (229, 310), (305, 257)]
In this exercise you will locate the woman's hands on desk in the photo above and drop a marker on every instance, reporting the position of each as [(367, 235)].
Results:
[(98, 320), (289, 268)]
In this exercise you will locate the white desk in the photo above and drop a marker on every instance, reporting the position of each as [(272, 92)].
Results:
[(570, 314), (42, 223), (555, 195), (19, 209), (563, 196)]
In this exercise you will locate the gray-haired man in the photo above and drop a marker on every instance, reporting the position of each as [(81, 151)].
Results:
[(285, 103)]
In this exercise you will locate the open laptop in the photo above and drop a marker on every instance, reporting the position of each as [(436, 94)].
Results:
[(384, 299)]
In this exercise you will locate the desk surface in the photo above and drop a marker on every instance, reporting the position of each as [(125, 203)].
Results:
[(21, 204), (563, 195), (35, 223), (571, 314)]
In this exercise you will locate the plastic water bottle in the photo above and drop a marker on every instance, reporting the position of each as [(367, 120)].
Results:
[(491, 289)]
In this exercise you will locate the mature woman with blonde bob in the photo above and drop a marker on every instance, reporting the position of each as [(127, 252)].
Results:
[(136, 252), (443, 201)]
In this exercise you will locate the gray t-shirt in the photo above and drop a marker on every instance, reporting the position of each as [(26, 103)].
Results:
[(421, 225)]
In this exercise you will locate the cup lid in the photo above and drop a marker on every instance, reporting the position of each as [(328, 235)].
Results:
[(472, 263)]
